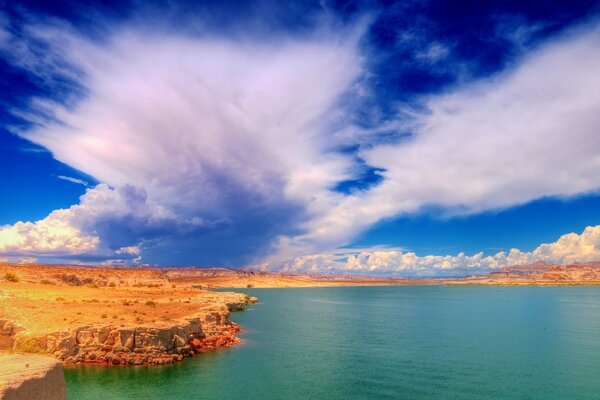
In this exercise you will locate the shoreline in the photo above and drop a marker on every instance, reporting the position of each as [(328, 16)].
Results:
[(86, 315), (112, 317), (111, 345)]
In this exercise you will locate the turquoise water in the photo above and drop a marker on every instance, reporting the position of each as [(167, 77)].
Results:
[(417, 342)]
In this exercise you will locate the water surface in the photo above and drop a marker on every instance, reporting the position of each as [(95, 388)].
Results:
[(415, 342)]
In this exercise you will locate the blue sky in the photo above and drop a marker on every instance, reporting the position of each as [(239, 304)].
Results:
[(404, 138)]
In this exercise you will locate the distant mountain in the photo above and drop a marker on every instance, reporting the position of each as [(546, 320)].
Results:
[(543, 272), (513, 271)]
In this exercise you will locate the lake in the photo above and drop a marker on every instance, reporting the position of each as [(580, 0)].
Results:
[(403, 342)]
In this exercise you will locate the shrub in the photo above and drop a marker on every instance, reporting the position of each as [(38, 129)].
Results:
[(11, 277), (46, 282), (148, 285), (112, 284), (126, 303), (151, 303), (71, 280), (60, 299), (104, 316)]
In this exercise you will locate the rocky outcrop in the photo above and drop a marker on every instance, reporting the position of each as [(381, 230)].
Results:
[(7, 334), (30, 376), (159, 343)]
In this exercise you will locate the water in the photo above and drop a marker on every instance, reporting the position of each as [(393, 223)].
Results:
[(417, 342)]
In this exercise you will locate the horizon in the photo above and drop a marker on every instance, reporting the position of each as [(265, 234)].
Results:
[(418, 140)]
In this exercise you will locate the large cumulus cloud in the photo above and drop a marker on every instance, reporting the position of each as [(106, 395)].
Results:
[(107, 225), (569, 248)]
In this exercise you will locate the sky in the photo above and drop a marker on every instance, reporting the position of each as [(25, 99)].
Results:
[(413, 138)]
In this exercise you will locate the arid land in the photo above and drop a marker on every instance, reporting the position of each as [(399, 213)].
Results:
[(135, 315)]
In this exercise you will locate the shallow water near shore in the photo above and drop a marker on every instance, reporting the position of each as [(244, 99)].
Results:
[(405, 342)]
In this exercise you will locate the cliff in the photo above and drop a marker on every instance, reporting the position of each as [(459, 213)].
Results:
[(135, 345), (29, 377), (142, 318)]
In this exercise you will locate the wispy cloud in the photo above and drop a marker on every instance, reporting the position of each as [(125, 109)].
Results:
[(528, 133), (73, 180), (210, 128)]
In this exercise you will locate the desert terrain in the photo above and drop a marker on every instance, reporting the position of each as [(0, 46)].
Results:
[(111, 315)]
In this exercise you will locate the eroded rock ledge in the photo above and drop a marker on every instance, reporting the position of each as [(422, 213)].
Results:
[(30, 376), (159, 343)]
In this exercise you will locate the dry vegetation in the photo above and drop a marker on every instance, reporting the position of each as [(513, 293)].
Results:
[(48, 298)]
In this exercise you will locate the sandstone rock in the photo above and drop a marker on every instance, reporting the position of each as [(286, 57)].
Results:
[(29, 377), (163, 343)]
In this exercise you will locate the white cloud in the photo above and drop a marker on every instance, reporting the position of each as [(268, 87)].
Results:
[(28, 260), (106, 224), (568, 249), (193, 119), (73, 180), (528, 133), (54, 234), (210, 128)]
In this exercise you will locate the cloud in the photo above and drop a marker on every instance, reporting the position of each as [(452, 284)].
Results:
[(54, 234), (73, 180), (528, 133), (203, 111), (568, 249), (107, 224), (433, 53), (211, 128), (28, 260), (244, 134)]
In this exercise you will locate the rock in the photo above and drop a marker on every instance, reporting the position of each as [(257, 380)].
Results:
[(178, 341), (30, 376), (163, 343), (239, 306)]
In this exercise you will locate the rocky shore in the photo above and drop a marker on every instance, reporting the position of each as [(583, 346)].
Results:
[(133, 345), (143, 318)]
